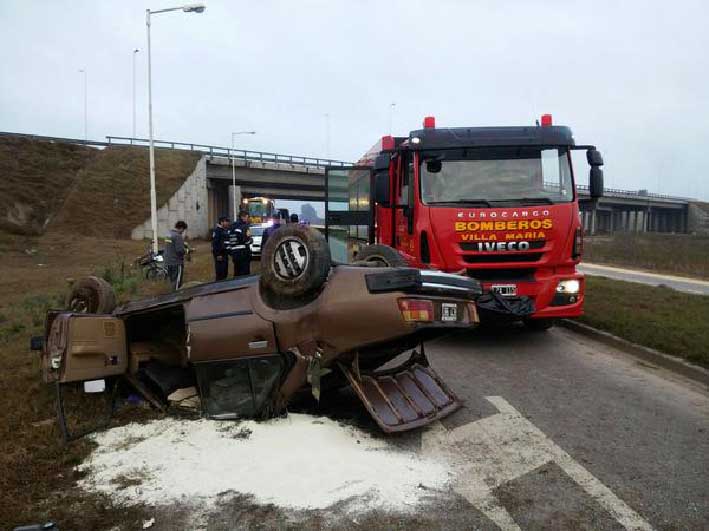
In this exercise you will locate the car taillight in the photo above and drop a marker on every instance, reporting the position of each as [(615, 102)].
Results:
[(577, 249), (416, 310)]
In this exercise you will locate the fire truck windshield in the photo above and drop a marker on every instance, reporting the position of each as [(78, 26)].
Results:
[(496, 175)]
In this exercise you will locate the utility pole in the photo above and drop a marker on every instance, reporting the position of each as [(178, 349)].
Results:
[(233, 171), (86, 106), (135, 51)]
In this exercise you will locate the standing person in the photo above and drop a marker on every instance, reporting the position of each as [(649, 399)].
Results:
[(220, 235), (268, 231), (174, 254), (240, 245)]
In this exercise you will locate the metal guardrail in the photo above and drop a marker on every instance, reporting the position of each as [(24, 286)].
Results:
[(58, 139), (213, 151), (264, 156), (220, 151), (641, 194)]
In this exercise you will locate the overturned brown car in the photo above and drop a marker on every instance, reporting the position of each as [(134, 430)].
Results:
[(249, 345)]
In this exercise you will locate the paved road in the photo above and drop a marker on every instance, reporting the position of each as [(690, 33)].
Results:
[(557, 432), (687, 285), (638, 430)]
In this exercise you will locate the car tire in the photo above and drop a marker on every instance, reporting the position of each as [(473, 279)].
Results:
[(539, 325), (91, 295), (295, 262), (385, 255)]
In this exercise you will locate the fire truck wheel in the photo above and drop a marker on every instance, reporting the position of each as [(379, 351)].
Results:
[(294, 263), (91, 295), (539, 325), (385, 255)]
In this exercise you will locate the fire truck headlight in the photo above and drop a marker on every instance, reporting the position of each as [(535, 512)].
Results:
[(568, 287)]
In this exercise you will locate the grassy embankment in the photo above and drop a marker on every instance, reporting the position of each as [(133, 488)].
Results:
[(38, 477), (74, 189), (661, 318), (676, 254)]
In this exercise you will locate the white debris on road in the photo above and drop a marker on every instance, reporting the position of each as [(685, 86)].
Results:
[(300, 462)]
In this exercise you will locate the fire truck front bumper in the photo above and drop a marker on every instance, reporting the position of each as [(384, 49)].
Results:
[(554, 295)]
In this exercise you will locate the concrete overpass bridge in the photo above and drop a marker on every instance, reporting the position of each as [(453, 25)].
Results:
[(634, 211), (302, 179)]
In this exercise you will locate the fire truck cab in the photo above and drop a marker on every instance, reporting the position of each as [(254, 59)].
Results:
[(496, 203)]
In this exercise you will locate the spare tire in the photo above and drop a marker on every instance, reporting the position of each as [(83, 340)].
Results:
[(91, 295), (385, 255), (295, 262)]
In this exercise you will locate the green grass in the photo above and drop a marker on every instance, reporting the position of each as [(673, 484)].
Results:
[(680, 254), (661, 318), (38, 476)]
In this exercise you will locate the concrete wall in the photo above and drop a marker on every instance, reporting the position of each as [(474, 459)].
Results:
[(699, 218), (189, 204)]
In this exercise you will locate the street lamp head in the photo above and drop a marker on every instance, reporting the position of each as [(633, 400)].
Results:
[(194, 8)]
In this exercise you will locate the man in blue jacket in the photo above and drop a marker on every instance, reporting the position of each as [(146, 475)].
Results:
[(220, 235), (239, 245)]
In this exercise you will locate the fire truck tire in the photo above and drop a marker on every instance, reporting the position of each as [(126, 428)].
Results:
[(295, 263), (387, 256), (539, 325), (91, 295)]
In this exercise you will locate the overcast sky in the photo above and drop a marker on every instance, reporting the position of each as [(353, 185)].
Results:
[(630, 77)]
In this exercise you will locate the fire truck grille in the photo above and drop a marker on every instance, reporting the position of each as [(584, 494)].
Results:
[(473, 246), (502, 258)]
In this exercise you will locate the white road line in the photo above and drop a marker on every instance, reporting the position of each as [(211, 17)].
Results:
[(502, 447), (659, 277)]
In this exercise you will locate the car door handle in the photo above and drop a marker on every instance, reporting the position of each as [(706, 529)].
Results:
[(258, 344)]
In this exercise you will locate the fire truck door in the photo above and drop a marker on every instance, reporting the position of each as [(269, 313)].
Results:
[(404, 211)]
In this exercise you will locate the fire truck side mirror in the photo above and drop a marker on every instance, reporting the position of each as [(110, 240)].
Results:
[(594, 158), (596, 182), (381, 180)]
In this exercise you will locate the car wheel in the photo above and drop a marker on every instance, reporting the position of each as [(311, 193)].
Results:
[(91, 295), (295, 262), (539, 325), (385, 255)]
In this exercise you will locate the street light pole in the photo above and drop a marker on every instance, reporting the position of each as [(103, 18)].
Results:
[(327, 135), (233, 171), (134, 54), (190, 8), (391, 118), (86, 106)]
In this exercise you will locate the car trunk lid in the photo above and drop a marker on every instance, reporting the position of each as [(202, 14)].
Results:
[(404, 398)]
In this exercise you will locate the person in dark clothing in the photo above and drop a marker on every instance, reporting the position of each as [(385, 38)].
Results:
[(220, 236), (174, 254), (268, 231), (239, 245), (294, 218)]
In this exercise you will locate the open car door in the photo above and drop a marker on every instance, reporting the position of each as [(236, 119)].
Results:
[(349, 215)]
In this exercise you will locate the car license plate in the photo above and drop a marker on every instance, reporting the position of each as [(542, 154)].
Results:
[(508, 290), (449, 311)]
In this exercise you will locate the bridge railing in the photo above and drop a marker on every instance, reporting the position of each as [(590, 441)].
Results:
[(633, 193), (57, 139), (221, 151)]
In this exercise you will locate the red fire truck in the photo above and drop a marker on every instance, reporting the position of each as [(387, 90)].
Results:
[(495, 203)]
